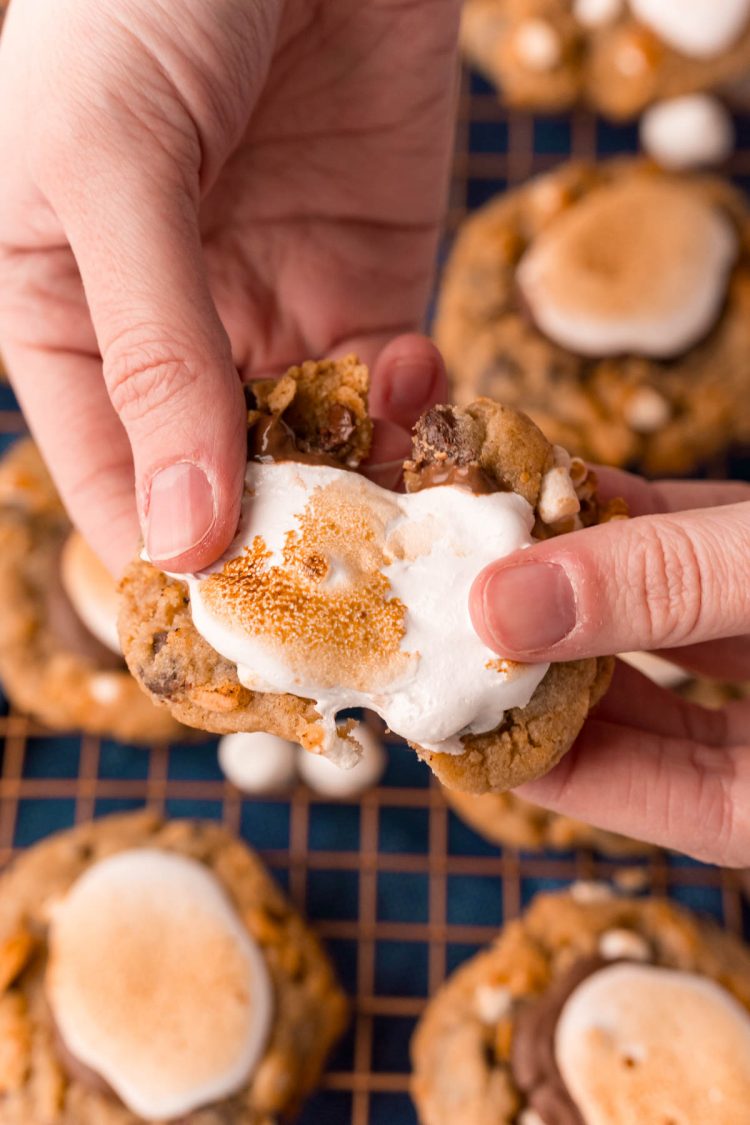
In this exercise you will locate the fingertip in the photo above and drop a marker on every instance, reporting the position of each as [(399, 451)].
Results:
[(408, 378)]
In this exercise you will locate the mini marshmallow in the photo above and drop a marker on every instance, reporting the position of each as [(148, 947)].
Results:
[(687, 132), (348, 594), (91, 589), (106, 687), (640, 265), (616, 944), (586, 891), (646, 411), (662, 672), (557, 498), (155, 984), (329, 780), (643, 1043), (597, 13), (697, 28), (537, 45), (492, 1002), (258, 762)]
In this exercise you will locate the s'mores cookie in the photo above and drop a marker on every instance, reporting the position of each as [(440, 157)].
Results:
[(337, 593), (60, 656), (509, 821), (612, 303), (154, 972), (618, 56), (591, 1009)]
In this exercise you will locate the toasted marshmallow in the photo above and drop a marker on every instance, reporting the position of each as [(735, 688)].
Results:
[(662, 672), (91, 590), (597, 13), (687, 132), (698, 28), (258, 762), (328, 779), (342, 592), (637, 266), (155, 984), (640, 1043)]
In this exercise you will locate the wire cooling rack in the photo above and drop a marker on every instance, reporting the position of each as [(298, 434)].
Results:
[(400, 890)]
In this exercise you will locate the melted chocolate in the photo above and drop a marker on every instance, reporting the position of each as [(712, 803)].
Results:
[(70, 632), (535, 1069), (447, 472), (271, 440)]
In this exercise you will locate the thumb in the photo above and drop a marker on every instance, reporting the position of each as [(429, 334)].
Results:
[(653, 582), (166, 358)]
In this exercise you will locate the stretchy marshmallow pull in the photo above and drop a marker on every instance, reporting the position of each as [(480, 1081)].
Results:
[(687, 132), (698, 28), (155, 984), (91, 590), (325, 778), (638, 266), (636, 1043), (339, 591)]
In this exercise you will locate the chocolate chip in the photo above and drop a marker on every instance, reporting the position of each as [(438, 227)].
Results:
[(339, 427), (158, 642)]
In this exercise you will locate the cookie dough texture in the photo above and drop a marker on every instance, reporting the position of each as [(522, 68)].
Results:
[(542, 55), (177, 667), (509, 821), (462, 1068), (42, 676), (664, 416), (310, 1008)]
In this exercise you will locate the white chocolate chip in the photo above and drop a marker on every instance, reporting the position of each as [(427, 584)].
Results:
[(585, 891), (105, 687), (646, 411), (697, 28), (258, 762), (687, 132), (537, 44), (328, 779), (492, 1002), (615, 944), (597, 13), (557, 498)]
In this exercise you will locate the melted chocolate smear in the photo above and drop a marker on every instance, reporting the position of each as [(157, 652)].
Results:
[(70, 632), (533, 1061), (448, 472), (271, 440)]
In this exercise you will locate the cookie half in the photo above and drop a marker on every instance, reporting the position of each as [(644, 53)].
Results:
[(153, 971), (612, 303), (59, 663), (591, 1008), (337, 593), (617, 56)]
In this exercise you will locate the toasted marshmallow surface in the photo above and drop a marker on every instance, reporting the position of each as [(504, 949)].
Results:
[(155, 984), (699, 28), (640, 266), (342, 592), (637, 1043), (258, 762), (91, 590), (328, 779), (687, 132)]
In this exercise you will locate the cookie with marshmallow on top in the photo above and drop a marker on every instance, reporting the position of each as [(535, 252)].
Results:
[(153, 972), (616, 56), (60, 655), (591, 1009), (337, 593), (610, 302)]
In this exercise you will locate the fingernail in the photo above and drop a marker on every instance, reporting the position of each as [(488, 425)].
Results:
[(410, 386), (181, 510), (528, 607)]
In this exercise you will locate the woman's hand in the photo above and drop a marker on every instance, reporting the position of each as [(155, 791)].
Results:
[(677, 577), (191, 189)]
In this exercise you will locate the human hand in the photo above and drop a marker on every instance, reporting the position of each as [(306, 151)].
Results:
[(648, 763), (194, 189)]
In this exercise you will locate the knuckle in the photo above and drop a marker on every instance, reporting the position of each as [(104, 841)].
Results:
[(145, 380), (664, 584)]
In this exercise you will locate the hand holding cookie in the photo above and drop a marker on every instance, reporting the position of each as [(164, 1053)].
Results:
[(674, 578), (209, 189)]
